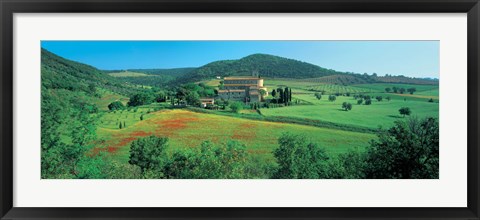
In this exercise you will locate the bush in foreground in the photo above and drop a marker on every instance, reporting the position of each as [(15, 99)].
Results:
[(408, 150)]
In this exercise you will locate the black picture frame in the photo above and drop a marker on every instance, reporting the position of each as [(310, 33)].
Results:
[(9, 7)]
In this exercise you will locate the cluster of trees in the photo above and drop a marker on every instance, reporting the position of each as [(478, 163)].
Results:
[(282, 95), (368, 99), (408, 150), (189, 94), (400, 90), (228, 160)]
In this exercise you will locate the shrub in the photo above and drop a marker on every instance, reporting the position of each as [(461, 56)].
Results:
[(116, 105)]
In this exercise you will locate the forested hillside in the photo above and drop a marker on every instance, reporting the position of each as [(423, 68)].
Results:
[(70, 91), (263, 64), (60, 73)]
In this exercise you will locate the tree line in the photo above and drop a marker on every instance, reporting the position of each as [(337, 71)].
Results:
[(400, 90)]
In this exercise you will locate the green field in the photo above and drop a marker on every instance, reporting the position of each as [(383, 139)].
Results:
[(128, 74), (189, 129), (312, 86), (382, 113)]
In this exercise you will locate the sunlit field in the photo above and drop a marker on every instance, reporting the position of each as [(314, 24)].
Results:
[(189, 129)]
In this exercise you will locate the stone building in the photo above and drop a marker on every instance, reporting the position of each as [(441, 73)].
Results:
[(242, 88)]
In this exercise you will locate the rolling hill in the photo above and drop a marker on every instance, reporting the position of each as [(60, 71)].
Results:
[(263, 64)]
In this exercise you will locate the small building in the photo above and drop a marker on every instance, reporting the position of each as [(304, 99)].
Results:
[(206, 102)]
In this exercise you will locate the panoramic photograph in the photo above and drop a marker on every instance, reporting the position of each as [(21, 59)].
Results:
[(240, 109)]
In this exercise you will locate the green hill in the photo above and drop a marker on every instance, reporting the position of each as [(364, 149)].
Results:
[(60, 73), (263, 64), (149, 77)]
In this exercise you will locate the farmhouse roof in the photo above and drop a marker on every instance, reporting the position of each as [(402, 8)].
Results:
[(231, 90), (241, 77), (227, 84)]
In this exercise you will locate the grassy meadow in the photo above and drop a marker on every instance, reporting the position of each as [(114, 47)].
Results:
[(379, 113), (187, 129)]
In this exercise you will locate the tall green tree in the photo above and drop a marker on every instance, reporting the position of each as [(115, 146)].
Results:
[(280, 95), (286, 95), (405, 111), (299, 159), (193, 98), (149, 153), (141, 99), (347, 106), (408, 150)]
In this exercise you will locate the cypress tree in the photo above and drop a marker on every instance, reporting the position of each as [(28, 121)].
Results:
[(281, 96), (290, 95)]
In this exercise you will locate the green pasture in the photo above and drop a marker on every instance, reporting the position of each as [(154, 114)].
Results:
[(382, 113)]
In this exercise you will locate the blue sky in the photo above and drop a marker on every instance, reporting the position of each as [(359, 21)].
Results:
[(409, 58)]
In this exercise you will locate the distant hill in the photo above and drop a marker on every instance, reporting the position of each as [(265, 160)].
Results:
[(263, 64), (352, 79), (150, 77), (405, 79)]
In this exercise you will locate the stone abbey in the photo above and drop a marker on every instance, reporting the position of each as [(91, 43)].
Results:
[(243, 88)]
